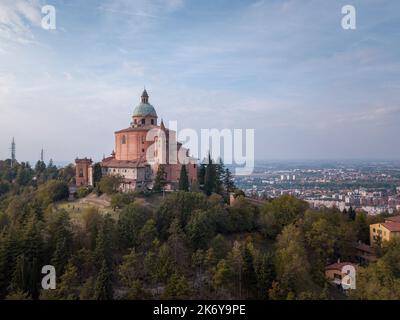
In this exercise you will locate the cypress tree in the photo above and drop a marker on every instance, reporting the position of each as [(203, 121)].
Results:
[(183, 180), (210, 177), (103, 287), (160, 180), (228, 181)]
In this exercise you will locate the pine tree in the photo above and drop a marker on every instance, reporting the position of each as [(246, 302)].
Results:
[(160, 180), (105, 242), (183, 180), (28, 267), (97, 173), (222, 275), (177, 288), (201, 173), (103, 287), (351, 213), (87, 290), (67, 288), (228, 181), (9, 248), (61, 239), (219, 176), (210, 177)]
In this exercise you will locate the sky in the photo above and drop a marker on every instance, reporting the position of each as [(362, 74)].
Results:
[(285, 68)]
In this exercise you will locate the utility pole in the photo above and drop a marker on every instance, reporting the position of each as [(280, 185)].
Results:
[(12, 152), (42, 155)]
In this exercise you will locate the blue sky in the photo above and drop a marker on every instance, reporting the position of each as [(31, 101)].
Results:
[(286, 68)]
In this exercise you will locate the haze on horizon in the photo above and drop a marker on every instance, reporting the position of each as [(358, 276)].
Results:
[(310, 89)]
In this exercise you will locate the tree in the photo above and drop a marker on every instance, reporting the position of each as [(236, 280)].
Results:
[(235, 259), (222, 275), (351, 214), (178, 205), (362, 227), (249, 272), (121, 200), (228, 181), (130, 272), (220, 246), (200, 229), (280, 212), (92, 221), (165, 265), (210, 177), (177, 243), (97, 173), (201, 173), (177, 288), (148, 235), (183, 180), (59, 230), (110, 184), (103, 286), (130, 223), (242, 215), (105, 243), (161, 178), (52, 191), (87, 290), (321, 239), (219, 176), (67, 287), (24, 174), (265, 274), (291, 262), (30, 260)]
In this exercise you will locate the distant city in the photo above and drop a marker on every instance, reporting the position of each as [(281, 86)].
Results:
[(371, 186)]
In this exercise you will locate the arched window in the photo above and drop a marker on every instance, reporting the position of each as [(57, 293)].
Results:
[(152, 121), (143, 121), (123, 140)]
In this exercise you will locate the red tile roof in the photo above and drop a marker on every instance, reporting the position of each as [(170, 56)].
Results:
[(339, 265), (392, 226), (111, 162), (393, 219)]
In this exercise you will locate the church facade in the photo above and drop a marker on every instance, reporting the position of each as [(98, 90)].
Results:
[(139, 151)]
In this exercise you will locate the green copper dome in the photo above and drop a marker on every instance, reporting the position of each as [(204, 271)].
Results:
[(144, 109)]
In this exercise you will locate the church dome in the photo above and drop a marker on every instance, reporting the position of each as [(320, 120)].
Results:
[(144, 108)]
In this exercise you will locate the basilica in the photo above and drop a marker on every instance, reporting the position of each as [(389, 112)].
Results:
[(139, 151)]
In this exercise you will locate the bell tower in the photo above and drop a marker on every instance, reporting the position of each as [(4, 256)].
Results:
[(83, 172)]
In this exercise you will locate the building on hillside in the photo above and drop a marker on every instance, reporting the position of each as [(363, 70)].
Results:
[(335, 272), (365, 254), (385, 231), (142, 148)]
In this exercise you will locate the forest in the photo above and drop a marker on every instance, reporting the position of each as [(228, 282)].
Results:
[(197, 244)]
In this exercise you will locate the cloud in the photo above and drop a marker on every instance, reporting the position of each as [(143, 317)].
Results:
[(140, 9), (16, 19)]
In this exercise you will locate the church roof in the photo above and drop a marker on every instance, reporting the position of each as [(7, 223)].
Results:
[(111, 162), (144, 109)]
